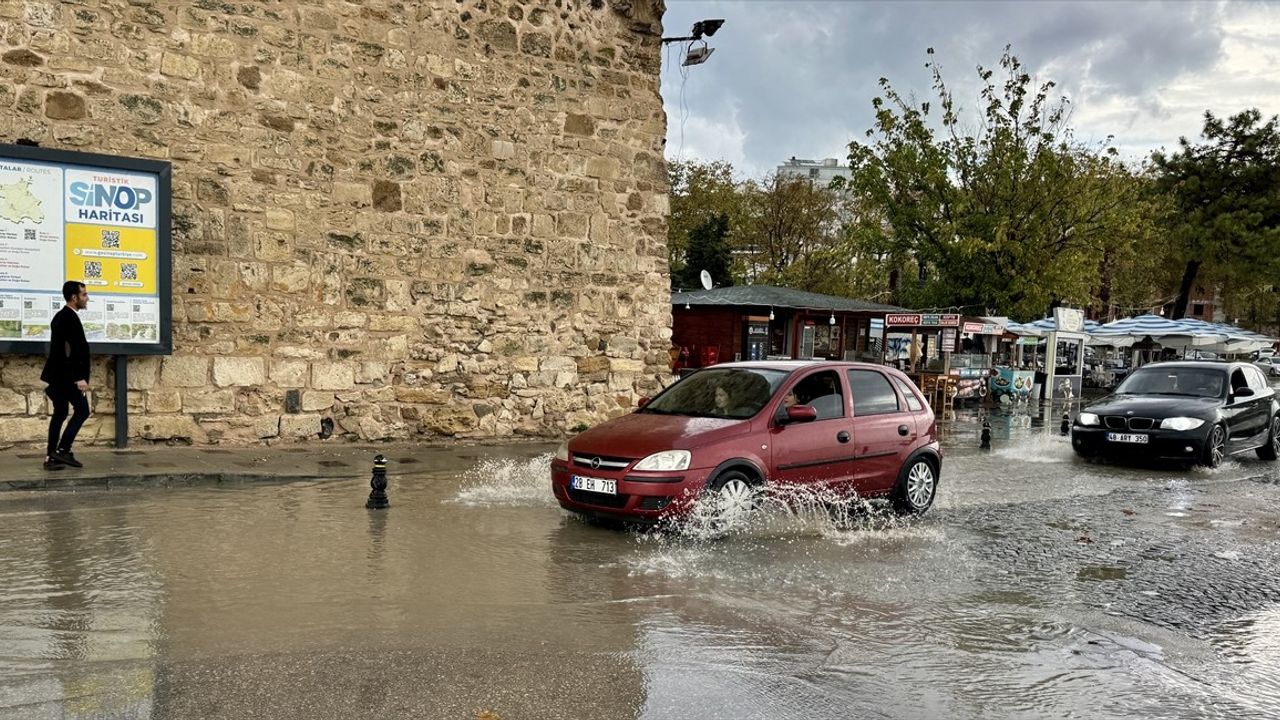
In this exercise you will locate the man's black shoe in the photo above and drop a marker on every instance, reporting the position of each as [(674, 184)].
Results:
[(53, 465), (66, 457)]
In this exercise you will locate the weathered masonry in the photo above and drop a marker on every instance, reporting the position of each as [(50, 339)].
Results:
[(414, 219)]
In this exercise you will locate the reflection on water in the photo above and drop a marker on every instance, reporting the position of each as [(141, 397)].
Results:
[(474, 591)]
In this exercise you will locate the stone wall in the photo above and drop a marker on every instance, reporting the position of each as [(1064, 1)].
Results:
[(417, 219)]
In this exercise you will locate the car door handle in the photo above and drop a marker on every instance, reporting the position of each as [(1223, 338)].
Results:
[(903, 430), (843, 436)]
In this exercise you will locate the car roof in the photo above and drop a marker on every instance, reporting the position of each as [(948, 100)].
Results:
[(1197, 364), (793, 365)]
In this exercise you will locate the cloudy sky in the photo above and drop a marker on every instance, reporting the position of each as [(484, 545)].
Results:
[(792, 78)]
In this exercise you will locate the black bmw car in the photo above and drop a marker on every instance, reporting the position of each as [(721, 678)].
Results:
[(1195, 412)]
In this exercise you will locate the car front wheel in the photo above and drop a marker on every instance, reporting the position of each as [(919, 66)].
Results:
[(732, 496), (916, 488), (1215, 448), (1271, 450)]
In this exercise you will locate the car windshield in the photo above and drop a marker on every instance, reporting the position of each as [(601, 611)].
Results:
[(731, 393), (1191, 382)]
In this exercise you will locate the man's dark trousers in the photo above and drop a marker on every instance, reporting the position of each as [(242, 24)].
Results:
[(62, 395)]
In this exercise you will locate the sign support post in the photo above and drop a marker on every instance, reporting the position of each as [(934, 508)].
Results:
[(122, 400)]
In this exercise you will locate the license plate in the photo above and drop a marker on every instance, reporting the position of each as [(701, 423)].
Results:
[(590, 484), (1128, 438)]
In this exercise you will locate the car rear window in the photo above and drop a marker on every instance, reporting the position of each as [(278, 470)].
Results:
[(872, 393), (908, 392)]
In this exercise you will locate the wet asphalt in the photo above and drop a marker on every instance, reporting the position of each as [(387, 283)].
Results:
[(1039, 586)]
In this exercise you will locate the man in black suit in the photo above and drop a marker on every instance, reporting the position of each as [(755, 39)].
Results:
[(67, 373)]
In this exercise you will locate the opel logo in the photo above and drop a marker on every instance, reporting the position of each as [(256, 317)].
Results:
[(595, 463)]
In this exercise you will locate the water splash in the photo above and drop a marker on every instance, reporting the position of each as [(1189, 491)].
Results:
[(508, 483)]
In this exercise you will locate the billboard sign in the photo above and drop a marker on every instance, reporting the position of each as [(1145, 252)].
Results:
[(99, 219)]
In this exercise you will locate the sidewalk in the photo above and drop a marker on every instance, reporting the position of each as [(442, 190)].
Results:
[(165, 466)]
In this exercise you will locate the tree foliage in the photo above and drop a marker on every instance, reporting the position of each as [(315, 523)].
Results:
[(1225, 221), (1010, 215)]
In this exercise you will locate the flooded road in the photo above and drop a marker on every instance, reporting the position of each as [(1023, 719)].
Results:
[(1038, 586)]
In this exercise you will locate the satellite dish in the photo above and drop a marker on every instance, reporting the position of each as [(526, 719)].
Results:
[(706, 280)]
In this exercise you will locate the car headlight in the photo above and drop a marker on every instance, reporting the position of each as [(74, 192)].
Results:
[(562, 452), (1088, 419), (1181, 423), (666, 461)]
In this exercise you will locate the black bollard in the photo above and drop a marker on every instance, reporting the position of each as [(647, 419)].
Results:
[(986, 434), (378, 496), (1066, 422)]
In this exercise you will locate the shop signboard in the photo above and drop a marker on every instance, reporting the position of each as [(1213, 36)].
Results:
[(98, 219)]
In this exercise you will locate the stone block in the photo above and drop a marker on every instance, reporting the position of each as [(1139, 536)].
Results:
[(371, 372), (280, 219), (289, 373), (575, 124), (62, 105), (209, 401), (181, 66), (503, 149), (184, 371), (164, 401), (143, 371), (314, 400), (239, 371), (22, 429), (422, 395), (332, 376), (450, 420), (171, 427), (299, 426), (12, 403)]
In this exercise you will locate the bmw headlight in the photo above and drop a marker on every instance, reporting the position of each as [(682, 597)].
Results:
[(1085, 418), (562, 452), (666, 461), (1181, 423)]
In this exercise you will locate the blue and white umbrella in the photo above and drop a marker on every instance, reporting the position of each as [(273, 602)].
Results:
[(1234, 339), (1167, 333)]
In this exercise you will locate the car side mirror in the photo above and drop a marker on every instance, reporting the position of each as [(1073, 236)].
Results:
[(800, 414), (642, 402), (1243, 392)]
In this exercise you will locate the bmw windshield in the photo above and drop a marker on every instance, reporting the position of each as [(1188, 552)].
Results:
[(731, 393), (1179, 381)]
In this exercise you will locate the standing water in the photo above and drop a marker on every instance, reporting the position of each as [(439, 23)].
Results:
[(1037, 586)]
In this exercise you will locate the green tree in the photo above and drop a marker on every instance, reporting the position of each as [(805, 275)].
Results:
[(791, 235), (1009, 215), (1225, 219), (709, 250), (699, 192)]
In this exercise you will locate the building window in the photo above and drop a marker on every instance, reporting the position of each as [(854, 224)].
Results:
[(813, 173), (1198, 309)]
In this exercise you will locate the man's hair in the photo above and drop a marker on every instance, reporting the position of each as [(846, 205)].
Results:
[(70, 289)]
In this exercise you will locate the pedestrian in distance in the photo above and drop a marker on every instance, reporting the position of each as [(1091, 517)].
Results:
[(66, 372)]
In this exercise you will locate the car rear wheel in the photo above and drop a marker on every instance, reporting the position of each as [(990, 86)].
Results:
[(916, 488), (1271, 450), (1215, 448)]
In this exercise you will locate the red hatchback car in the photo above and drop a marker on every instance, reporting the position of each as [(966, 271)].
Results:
[(731, 430)]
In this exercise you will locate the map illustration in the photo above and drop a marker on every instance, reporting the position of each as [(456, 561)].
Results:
[(19, 204)]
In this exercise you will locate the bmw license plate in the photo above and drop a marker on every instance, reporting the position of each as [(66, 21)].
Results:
[(590, 484), (1129, 438)]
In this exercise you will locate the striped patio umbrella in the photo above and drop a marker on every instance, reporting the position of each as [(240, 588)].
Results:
[(1235, 340), (1168, 333)]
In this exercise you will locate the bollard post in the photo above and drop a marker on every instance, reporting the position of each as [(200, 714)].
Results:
[(1066, 422), (986, 435), (378, 496)]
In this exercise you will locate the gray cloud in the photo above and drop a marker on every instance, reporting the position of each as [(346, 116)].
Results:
[(797, 78)]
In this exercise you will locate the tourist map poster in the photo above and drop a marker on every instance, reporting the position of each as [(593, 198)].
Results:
[(98, 219)]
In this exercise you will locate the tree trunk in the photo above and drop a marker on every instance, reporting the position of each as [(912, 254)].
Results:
[(1184, 291)]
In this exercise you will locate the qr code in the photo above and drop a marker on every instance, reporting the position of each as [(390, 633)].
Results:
[(28, 233), (92, 269), (128, 271), (111, 238)]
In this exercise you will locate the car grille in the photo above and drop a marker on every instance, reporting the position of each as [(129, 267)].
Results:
[(600, 499), (607, 462), (1115, 422)]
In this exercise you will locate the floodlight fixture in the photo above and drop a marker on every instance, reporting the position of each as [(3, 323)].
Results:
[(697, 55)]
